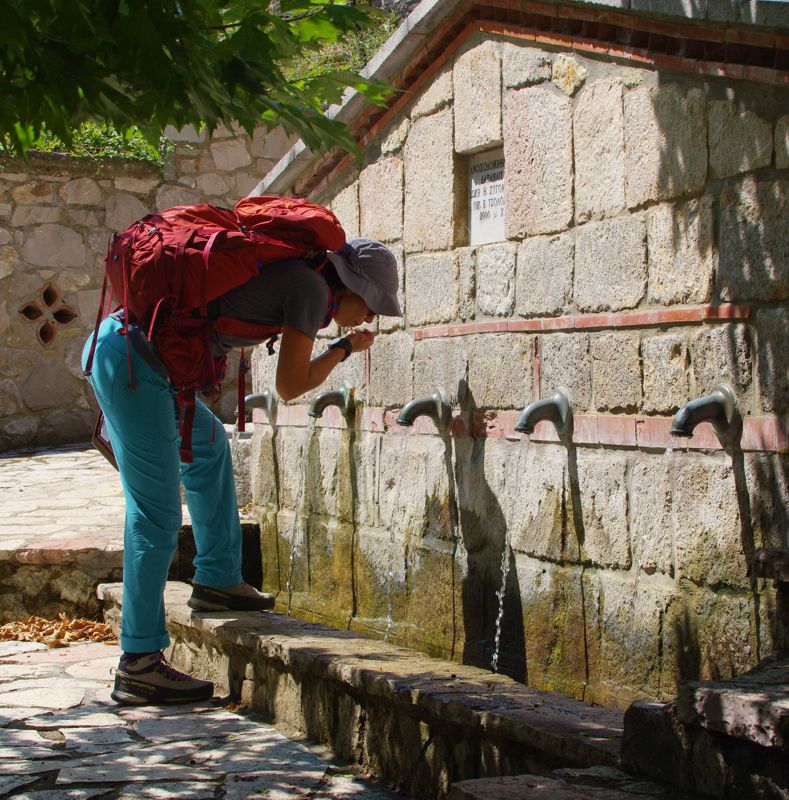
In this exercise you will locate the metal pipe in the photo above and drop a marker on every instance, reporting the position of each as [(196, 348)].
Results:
[(342, 398), (266, 400), (719, 408), (436, 406), (555, 408)]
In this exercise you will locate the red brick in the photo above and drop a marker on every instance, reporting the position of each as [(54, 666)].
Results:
[(558, 323), (417, 334), (759, 433), (632, 319), (584, 429), (332, 418), (781, 78), (706, 34), (555, 39), (668, 316), (593, 321), (716, 68), (668, 62), (458, 425), (726, 311), (544, 432), (521, 325), (390, 421), (372, 420), (617, 430), (704, 438), (747, 36), (259, 416), (664, 28), (599, 46), (760, 74), (544, 9), (653, 432)]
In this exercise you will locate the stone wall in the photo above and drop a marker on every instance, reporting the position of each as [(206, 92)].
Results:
[(56, 216), (645, 261)]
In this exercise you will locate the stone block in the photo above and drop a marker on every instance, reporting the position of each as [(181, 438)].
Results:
[(395, 136), (524, 66), (212, 183), (599, 147), (616, 372), (386, 324), (623, 627), (381, 200), (565, 362), (538, 180), (271, 144), (500, 370), (476, 81), (610, 264), (437, 95), (754, 248), (86, 217), (767, 477), (168, 196), (568, 74), (431, 288), (81, 192), (391, 370), (122, 209), (467, 268), (721, 354), (35, 215), (739, 141), (782, 142), (34, 192), (772, 331), (535, 499), (709, 547), (230, 154), (54, 246), (135, 185), (665, 365), (708, 635), (552, 627), (680, 244), (441, 363), (496, 279), (50, 385), (665, 143), (431, 217), (346, 208), (599, 487), (650, 506), (484, 492)]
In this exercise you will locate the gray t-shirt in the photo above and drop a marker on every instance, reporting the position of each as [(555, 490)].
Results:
[(285, 293)]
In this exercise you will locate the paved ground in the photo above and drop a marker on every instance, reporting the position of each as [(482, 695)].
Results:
[(63, 738)]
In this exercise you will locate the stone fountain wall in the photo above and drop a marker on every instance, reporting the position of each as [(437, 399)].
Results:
[(642, 260), (56, 216)]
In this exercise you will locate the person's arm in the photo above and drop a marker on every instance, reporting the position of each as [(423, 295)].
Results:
[(297, 372)]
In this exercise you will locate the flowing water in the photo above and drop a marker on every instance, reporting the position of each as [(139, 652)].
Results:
[(505, 569), (297, 530)]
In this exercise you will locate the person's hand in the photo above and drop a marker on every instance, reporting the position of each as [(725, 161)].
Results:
[(360, 340)]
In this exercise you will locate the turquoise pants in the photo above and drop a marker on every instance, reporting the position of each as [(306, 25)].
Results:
[(143, 430)]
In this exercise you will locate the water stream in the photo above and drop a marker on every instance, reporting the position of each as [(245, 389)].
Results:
[(505, 569), (297, 529)]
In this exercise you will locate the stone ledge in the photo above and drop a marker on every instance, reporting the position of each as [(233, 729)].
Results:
[(381, 704)]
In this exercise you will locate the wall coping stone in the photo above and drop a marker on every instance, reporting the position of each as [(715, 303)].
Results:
[(451, 698)]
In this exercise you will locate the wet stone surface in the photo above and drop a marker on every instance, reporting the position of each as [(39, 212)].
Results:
[(63, 738)]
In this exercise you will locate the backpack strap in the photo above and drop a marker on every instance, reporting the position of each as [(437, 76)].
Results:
[(229, 326)]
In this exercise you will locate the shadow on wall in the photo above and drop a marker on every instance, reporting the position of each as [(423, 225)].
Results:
[(744, 177), (484, 531)]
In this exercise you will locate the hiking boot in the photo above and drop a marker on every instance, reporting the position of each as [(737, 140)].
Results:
[(241, 597), (150, 679)]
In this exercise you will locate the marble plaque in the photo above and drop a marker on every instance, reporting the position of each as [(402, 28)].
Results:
[(486, 197)]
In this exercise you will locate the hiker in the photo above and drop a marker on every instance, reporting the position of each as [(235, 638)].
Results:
[(350, 286)]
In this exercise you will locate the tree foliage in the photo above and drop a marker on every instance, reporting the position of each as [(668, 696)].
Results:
[(149, 64)]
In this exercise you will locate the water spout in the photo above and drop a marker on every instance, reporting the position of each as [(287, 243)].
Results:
[(266, 400), (718, 408), (342, 398), (436, 407), (555, 408)]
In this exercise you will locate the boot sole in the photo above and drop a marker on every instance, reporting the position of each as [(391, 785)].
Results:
[(205, 605), (126, 699)]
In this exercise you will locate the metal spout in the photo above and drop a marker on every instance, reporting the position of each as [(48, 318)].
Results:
[(718, 408), (342, 398), (266, 400), (436, 407), (555, 408)]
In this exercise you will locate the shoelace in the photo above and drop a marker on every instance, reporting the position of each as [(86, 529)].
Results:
[(169, 671)]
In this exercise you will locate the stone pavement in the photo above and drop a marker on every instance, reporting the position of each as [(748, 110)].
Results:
[(63, 738)]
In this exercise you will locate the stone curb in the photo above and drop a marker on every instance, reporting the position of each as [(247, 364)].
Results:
[(366, 689)]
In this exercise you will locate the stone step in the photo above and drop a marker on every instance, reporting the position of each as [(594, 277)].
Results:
[(416, 721), (720, 738)]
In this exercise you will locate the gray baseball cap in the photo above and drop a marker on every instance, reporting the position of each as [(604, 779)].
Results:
[(369, 269)]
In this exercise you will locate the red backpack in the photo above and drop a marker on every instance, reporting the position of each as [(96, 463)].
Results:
[(167, 267)]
